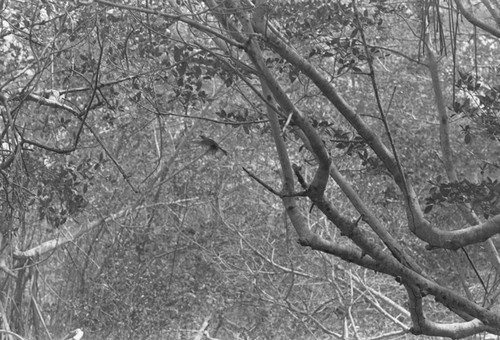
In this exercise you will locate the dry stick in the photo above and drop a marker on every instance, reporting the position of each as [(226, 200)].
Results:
[(201, 331), (258, 180), (291, 308), (462, 274), (11, 333), (379, 103), (397, 251), (349, 307), (40, 316), (357, 279), (124, 79), (391, 335), (51, 244), (99, 140), (4, 318), (373, 300), (377, 306), (264, 257)]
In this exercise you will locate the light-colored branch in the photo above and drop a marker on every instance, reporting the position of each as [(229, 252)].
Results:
[(5, 268), (386, 336), (422, 325), (493, 11), (444, 128), (418, 224), (70, 236), (382, 297), (265, 258), (447, 152), (320, 180), (201, 331), (296, 310), (475, 21), (414, 212), (12, 334), (40, 316), (367, 215)]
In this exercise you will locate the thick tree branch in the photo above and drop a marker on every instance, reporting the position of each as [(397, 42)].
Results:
[(494, 12), (414, 212), (447, 153), (423, 326), (417, 223), (475, 21), (69, 235)]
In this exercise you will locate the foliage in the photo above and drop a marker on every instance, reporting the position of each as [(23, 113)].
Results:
[(119, 217)]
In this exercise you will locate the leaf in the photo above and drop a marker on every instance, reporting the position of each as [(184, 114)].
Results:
[(182, 69), (428, 209), (137, 97)]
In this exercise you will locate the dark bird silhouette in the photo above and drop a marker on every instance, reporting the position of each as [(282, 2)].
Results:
[(212, 145)]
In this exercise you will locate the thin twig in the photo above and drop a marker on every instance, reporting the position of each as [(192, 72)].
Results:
[(261, 182)]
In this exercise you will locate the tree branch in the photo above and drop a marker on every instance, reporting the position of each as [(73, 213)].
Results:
[(475, 21), (181, 18)]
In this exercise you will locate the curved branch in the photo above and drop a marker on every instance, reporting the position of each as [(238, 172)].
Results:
[(422, 325), (414, 212), (475, 21), (11, 333), (66, 237), (417, 223)]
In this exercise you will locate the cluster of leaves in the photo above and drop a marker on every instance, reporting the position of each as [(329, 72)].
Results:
[(483, 196), (344, 140), (349, 52), (61, 190), (281, 66), (353, 145), (333, 29), (236, 116), (481, 104), (312, 18), (188, 76), (350, 144), (317, 18)]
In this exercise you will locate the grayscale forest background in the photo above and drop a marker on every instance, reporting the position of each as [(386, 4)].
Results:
[(250, 169)]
